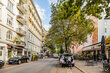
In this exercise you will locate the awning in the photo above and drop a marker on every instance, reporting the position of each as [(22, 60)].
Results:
[(92, 47)]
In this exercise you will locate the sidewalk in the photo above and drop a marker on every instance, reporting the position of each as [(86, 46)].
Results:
[(89, 69)]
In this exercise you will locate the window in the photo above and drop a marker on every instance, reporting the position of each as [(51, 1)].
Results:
[(0, 53), (0, 13), (105, 23), (9, 35), (105, 36), (10, 6), (105, 30), (9, 20), (0, 33)]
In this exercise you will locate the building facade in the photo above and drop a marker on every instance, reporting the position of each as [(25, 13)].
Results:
[(34, 35), (12, 28), (44, 34), (91, 39), (104, 28), (44, 38)]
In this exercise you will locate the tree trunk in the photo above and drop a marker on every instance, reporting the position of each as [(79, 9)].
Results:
[(66, 45)]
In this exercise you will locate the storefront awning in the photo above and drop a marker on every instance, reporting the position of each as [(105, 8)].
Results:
[(92, 47)]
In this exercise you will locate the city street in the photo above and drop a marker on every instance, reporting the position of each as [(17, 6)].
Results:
[(42, 66)]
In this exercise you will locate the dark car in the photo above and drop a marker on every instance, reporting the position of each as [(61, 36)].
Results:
[(18, 60), (1, 63)]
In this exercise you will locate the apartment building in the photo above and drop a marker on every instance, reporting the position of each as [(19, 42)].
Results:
[(34, 36), (44, 33), (12, 28), (91, 39), (104, 28)]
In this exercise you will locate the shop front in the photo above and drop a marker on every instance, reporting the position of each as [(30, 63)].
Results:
[(94, 50), (3, 52), (20, 50), (9, 47)]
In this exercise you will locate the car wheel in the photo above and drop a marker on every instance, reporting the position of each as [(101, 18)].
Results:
[(19, 62), (62, 65), (27, 61), (73, 65)]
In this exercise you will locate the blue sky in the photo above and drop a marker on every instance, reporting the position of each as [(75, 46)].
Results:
[(44, 9)]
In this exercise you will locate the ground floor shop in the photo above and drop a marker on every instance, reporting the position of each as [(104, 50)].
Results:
[(7, 51), (3, 52), (93, 54), (96, 51)]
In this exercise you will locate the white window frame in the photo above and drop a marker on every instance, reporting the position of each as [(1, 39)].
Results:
[(10, 6), (9, 20), (9, 35), (0, 13), (0, 33)]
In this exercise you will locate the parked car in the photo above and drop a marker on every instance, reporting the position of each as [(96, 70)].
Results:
[(66, 60), (18, 60), (55, 55), (1, 63), (41, 55)]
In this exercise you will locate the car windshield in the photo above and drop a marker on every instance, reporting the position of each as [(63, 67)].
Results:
[(14, 58), (67, 54)]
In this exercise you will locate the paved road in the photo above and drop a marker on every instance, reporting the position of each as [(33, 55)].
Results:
[(41, 66)]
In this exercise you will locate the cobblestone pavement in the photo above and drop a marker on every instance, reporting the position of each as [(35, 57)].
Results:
[(42, 66)]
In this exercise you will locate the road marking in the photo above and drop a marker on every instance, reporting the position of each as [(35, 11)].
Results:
[(79, 69), (69, 70)]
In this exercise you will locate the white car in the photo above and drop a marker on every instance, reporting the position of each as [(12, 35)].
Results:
[(66, 59), (55, 55)]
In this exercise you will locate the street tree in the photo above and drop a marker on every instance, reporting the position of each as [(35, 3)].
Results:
[(70, 23)]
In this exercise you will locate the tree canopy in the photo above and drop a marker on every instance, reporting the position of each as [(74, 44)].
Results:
[(70, 23)]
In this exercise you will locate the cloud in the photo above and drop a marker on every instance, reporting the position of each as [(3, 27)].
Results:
[(47, 26), (52, 1), (41, 11)]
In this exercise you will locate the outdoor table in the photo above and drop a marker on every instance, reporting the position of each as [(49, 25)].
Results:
[(90, 63)]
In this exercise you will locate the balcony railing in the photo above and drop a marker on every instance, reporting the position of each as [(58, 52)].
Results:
[(24, 1), (20, 31), (20, 43), (0, 1), (21, 8), (21, 19)]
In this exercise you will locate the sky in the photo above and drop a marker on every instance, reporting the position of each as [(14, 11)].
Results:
[(44, 9)]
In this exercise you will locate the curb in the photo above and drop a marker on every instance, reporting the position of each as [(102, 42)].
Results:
[(80, 69)]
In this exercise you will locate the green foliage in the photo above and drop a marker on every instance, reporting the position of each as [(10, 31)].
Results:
[(70, 22), (107, 8), (60, 50), (83, 56)]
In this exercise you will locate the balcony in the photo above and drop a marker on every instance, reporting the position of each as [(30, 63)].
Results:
[(21, 19), (24, 1), (20, 43), (21, 8), (0, 1), (21, 32)]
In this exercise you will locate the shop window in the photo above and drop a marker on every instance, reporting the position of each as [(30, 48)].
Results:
[(109, 54)]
